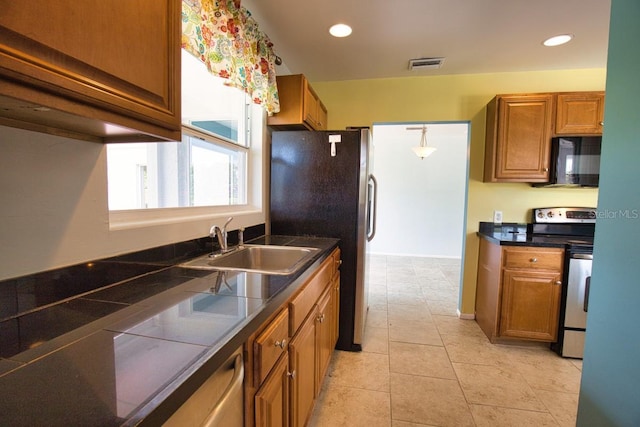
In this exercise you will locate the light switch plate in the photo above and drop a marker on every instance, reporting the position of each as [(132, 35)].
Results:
[(497, 217)]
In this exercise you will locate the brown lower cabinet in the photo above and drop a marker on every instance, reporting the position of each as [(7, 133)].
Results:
[(283, 391), (272, 400), (324, 335), (302, 365), (530, 305), (518, 292)]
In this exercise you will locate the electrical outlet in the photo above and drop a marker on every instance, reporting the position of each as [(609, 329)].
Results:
[(497, 217)]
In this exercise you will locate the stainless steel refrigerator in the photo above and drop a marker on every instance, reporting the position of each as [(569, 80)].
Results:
[(321, 186)]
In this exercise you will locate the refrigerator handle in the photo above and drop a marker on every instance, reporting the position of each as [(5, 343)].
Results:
[(374, 208)]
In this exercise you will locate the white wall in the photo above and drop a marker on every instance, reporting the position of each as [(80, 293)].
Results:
[(420, 202), (54, 208)]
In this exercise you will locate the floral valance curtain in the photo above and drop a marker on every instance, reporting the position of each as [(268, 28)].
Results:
[(223, 35)]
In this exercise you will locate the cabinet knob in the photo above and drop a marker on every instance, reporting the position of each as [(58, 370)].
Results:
[(558, 282), (320, 318), (601, 123), (292, 375), (281, 344), (545, 170), (534, 260)]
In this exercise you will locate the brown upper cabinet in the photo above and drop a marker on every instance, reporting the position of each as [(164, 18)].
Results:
[(94, 70), (579, 113), (300, 107), (519, 129), (518, 138)]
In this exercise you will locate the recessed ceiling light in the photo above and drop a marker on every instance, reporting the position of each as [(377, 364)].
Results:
[(558, 40), (340, 30)]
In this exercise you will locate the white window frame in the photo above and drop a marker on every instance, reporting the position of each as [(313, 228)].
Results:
[(251, 213)]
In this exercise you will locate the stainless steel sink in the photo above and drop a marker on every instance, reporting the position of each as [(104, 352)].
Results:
[(266, 259)]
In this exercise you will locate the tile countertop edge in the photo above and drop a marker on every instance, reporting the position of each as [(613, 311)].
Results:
[(167, 401)]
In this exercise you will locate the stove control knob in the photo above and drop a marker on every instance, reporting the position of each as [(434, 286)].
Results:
[(550, 214), (540, 214)]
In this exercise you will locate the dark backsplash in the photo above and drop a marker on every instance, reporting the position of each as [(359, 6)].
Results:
[(27, 293)]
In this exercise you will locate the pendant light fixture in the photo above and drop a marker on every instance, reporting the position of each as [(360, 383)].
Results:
[(422, 150)]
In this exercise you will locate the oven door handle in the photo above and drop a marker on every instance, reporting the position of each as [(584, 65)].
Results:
[(587, 286), (582, 256)]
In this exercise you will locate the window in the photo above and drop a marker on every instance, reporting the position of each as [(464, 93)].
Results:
[(211, 167), (193, 172), (213, 108)]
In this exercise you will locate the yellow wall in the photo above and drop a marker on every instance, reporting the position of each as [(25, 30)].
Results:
[(462, 98)]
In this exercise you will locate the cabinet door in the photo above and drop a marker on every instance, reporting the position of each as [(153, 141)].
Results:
[(272, 400), (324, 335), (580, 113), (310, 107), (302, 361), (518, 139), (488, 288), (530, 304), (96, 59), (323, 116), (335, 320)]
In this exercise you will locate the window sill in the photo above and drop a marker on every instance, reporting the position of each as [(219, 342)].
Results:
[(134, 219)]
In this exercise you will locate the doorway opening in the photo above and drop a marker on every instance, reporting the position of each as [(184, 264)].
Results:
[(421, 204)]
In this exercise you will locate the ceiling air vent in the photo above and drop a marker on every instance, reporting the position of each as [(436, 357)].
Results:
[(425, 63)]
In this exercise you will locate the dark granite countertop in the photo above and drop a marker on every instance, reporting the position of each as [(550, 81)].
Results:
[(516, 234), (132, 353)]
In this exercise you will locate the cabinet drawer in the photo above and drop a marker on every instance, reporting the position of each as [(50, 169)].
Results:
[(536, 258), (301, 304), (270, 345)]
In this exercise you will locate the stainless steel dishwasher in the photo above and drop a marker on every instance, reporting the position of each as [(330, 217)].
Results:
[(577, 304), (218, 402)]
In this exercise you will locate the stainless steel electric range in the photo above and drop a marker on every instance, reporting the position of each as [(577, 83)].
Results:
[(573, 227)]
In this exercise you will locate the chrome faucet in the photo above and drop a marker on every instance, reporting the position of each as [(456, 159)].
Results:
[(221, 235)]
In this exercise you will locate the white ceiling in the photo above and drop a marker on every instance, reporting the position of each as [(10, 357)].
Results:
[(475, 36)]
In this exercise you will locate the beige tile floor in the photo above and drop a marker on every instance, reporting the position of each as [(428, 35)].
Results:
[(423, 366)]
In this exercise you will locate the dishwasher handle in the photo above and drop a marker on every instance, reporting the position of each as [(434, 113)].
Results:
[(214, 417)]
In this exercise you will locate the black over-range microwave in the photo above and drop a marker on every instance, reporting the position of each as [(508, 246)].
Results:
[(575, 161)]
